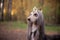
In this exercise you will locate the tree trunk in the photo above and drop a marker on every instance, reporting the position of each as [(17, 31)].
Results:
[(9, 9), (2, 8)]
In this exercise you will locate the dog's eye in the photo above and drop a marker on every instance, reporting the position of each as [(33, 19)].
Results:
[(35, 15)]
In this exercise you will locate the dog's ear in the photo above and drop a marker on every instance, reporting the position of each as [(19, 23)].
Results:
[(29, 29), (41, 10)]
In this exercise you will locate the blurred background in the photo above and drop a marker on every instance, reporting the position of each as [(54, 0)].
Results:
[(13, 15)]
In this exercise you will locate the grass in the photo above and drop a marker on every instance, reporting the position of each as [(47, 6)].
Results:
[(22, 25), (19, 25), (52, 28), (14, 24)]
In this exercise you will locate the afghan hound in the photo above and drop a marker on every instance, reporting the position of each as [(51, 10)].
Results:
[(35, 25)]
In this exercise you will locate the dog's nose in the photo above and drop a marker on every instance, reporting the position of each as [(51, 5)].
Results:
[(29, 19)]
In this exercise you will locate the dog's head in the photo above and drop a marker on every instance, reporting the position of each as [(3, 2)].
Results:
[(34, 15)]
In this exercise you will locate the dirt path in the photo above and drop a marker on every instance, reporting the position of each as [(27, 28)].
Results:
[(15, 34)]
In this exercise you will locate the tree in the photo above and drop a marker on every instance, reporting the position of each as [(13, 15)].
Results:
[(2, 7), (58, 11), (9, 8)]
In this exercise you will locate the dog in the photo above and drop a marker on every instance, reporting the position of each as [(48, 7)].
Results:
[(35, 25)]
